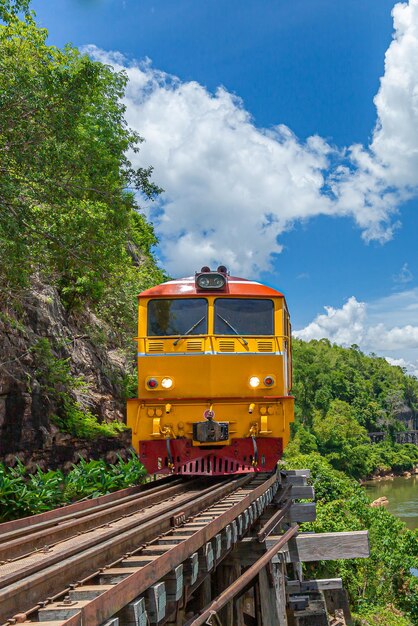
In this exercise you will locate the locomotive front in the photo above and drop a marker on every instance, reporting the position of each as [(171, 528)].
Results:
[(214, 376)]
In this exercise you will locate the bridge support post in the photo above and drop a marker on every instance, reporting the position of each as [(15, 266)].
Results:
[(226, 573), (272, 597)]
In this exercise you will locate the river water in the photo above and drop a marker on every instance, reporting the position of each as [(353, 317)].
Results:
[(402, 494)]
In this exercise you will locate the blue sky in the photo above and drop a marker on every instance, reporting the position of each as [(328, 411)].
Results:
[(244, 183)]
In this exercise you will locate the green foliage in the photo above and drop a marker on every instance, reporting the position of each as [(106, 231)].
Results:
[(23, 494), (357, 457), (379, 616), (68, 193), (130, 384), (60, 386), (329, 484), (375, 390), (9, 9), (383, 578), (340, 395), (339, 427), (94, 478)]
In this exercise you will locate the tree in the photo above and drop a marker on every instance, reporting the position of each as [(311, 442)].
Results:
[(339, 427), (68, 207)]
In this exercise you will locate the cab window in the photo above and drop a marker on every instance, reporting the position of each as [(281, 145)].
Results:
[(239, 316), (185, 316)]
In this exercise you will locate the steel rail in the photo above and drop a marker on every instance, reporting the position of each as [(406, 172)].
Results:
[(92, 540), (20, 527), (242, 582), (89, 520), (39, 584), (274, 521), (103, 607), (88, 539)]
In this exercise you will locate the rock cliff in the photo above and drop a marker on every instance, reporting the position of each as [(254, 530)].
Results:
[(25, 408)]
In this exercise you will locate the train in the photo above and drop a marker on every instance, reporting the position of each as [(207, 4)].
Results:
[(214, 376)]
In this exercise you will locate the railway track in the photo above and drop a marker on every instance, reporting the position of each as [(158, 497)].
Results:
[(93, 559), (185, 552), (26, 535)]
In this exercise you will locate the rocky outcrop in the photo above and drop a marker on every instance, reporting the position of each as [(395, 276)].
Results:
[(91, 350), (382, 501), (62, 451)]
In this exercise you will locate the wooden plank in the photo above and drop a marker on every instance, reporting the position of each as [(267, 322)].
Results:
[(299, 472), (278, 571), (321, 584), (191, 569), (302, 512), (315, 613), (134, 614), (295, 480), (86, 592), (325, 546), (174, 584), (306, 492), (56, 611), (268, 601), (249, 550), (157, 603)]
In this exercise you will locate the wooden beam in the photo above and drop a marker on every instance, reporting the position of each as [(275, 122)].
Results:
[(299, 472), (324, 546), (315, 613), (302, 512), (302, 491), (295, 480), (321, 584)]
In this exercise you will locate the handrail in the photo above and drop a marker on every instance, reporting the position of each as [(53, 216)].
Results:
[(240, 584), (208, 336)]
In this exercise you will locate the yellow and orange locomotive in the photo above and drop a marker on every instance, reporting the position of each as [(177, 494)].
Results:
[(214, 376)]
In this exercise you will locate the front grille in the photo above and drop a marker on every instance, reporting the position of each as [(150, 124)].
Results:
[(194, 346), (227, 346), (155, 346), (212, 464), (265, 346)]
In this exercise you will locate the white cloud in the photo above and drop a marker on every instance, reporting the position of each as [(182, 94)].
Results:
[(404, 275), (231, 188), (371, 326), (411, 368), (344, 326), (395, 140)]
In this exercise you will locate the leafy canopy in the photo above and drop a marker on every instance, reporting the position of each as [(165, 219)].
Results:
[(341, 394), (67, 188), (376, 391), (382, 584)]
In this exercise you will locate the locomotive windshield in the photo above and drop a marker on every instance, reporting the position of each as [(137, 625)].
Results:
[(180, 316), (239, 316)]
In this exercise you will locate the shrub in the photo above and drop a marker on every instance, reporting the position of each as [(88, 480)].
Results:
[(384, 578), (60, 386), (93, 478), (23, 494)]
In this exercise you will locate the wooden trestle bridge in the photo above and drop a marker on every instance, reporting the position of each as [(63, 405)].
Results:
[(224, 551)]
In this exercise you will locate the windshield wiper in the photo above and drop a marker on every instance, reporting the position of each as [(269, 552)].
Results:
[(244, 341), (191, 329)]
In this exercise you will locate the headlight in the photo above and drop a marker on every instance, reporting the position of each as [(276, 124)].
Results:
[(254, 381), (211, 281), (167, 383)]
